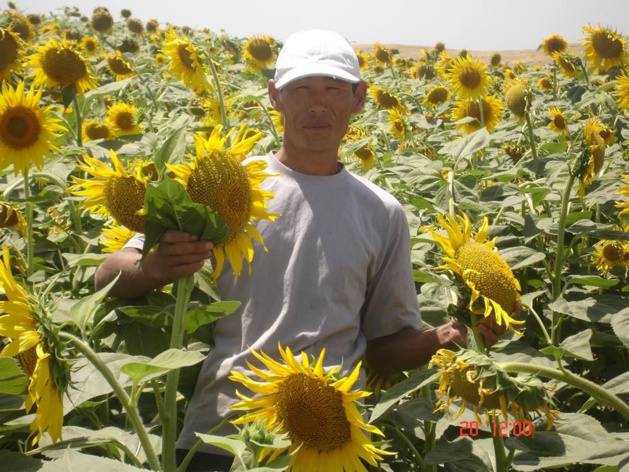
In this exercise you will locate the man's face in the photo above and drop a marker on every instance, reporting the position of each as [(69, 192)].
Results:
[(317, 111)]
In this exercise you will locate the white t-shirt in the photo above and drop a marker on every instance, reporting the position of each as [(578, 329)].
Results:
[(337, 274)]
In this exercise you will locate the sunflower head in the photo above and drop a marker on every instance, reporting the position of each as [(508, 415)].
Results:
[(135, 26), (89, 45), (514, 151), (217, 178), (386, 99), (184, 62), (121, 117), (114, 192), (94, 129), (478, 381), (609, 254), (468, 78), (567, 63), (102, 21), (545, 84), (493, 289), (11, 48), (382, 54), (492, 109), (424, 71), (118, 66), (10, 217), (58, 65), (593, 157), (38, 349), (558, 121), (604, 47), (260, 52), (20, 25), (495, 60), (554, 43), (436, 96), (517, 98), (27, 131), (315, 408), (114, 237)]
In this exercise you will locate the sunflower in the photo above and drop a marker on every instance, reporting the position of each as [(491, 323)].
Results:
[(621, 91), (386, 99), (477, 380), (609, 254), (20, 25), (58, 65), (558, 121), (554, 43), (27, 131), (121, 118), (496, 59), (517, 99), (481, 268), (604, 47), (102, 21), (31, 340), (217, 178), (444, 65), (421, 70), (363, 60), (259, 52), (567, 63), (317, 411), (11, 48), (10, 217), (94, 129), (595, 153), (114, 192), (115, 237), (492, 110), (624, 190), (545, 84), (118, 66), (382, 54), (184, 62), (468, 78), (436, 96), (89, 45), (398, 125), (358, 143)]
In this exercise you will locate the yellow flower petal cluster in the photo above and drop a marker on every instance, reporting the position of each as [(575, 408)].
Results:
[(558, 122), (554, 43), (318, 413), (217, 178), (259, 52), (489, 117), (609, 254), (21, 326), (121, 118), (11, 49), (483, 271), (27, 130)]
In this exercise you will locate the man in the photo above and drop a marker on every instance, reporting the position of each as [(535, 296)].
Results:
[(337, 274)]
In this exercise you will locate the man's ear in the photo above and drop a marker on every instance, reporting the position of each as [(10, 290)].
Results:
[(360, 96), (274, 96)]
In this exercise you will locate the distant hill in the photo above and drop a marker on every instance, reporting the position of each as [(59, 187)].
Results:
[(527, 56)]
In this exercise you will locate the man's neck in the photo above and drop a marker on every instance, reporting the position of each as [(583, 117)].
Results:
[(310, 163)]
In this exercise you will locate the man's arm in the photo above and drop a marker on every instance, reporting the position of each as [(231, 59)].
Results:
[(178, 254), (410, 348)]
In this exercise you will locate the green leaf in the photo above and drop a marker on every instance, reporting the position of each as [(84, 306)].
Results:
[(172, 149), (169, 206), (205, 314), (83, 311), (577, 346), (471, 143), (620, 325), (402, 389), (12, 380), (166, 361), (590, 280), (19, 462), (422, 277), (231, 445), (521, 256), (73, 461), (598, 308)]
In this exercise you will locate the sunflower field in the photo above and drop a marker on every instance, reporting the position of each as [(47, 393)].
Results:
[(514, 179)]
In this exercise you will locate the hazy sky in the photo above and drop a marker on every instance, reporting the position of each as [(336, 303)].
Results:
[(474, 25)]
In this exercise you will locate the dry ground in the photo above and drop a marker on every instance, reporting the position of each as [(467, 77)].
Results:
[(527, 56)]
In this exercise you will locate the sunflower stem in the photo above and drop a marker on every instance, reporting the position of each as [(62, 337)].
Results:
[(121, 395), (559, 257), (481, 112), (478, 337), (219, 92), (194, 449), (419, 460), (79, 121), (499, 449), (531, 134), (28, 205), (600, 394), (183, 288)]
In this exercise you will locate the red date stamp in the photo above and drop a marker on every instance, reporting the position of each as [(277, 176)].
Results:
[(498, 428)]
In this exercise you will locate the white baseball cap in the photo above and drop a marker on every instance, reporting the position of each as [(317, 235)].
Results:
[(316, 52)]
